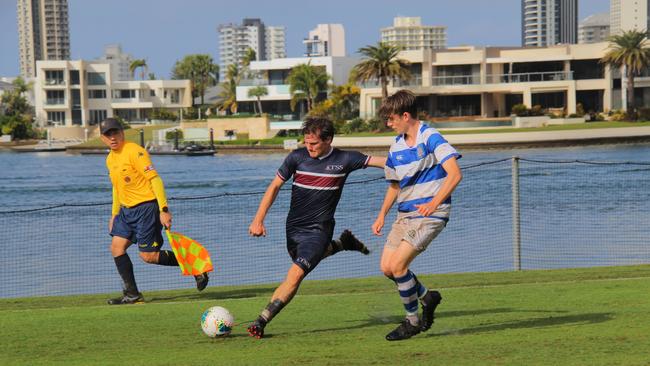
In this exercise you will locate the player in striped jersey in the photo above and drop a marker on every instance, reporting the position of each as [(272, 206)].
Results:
[(422, 172), (319, 172)]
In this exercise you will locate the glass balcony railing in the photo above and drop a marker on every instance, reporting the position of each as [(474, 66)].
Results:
[(55, 101), (413, 81), (456, 80), (530, 77), (54, 82)]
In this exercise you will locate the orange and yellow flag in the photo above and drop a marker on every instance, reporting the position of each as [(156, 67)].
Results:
[(192, 257)]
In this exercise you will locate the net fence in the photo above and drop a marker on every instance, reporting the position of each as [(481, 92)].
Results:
[(569, 214)]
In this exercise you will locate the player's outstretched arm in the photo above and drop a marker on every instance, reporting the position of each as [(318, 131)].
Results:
[(256, 227), (389, 199), (377, 161), (454, 176), (159, 191)]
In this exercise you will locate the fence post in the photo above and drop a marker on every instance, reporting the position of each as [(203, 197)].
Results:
[(142, 137), (516, 215)]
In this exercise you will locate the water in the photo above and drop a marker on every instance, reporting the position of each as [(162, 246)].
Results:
[(572, 215)]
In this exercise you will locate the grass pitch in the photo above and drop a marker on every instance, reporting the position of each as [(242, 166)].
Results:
[(591, 316)]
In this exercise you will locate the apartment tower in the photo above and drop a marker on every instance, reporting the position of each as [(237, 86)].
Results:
[(43, 33)]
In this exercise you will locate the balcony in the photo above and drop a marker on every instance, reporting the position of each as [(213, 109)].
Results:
[(530, 77), (55, 101), (470, 79), (414, 81), (54, 82)]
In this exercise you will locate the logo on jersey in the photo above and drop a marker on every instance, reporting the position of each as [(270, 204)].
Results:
[(127, 179), (149, 168), (399, 157), (420, 152), (334, 167)]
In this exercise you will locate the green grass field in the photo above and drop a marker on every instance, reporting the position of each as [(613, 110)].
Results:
[(592, 316)]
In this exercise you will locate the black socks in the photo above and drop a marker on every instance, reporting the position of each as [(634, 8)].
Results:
[(125, 269), (167, 258)]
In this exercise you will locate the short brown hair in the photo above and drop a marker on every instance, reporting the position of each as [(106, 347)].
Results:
[(322, 127), (398, 103)]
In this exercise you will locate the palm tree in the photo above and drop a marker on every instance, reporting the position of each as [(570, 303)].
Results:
[(258, 92), (200, 69), (135, 64), (382, 64), (228, 92), (629, 50), (305, 82)]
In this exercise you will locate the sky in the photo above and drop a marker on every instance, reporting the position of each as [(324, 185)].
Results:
[(163, 31)]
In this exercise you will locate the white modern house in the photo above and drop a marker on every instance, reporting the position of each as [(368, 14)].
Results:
[(82, 93), (488, 81), (273, 75)]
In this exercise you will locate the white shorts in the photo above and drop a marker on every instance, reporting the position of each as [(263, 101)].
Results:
[(417, 231)]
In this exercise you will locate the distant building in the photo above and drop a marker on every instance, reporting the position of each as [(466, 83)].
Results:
[(549, 22), (120, 62), (410, 34), (83, 93), (234, 41), (273, 74), (43, 33), (625, 15), (325, 40), (594, 28)]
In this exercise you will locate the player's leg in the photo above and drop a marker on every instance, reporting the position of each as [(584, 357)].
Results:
[(347, 241), (281, 297), (407, 288)]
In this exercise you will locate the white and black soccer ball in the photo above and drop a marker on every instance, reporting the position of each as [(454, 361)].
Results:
[(217, 322)]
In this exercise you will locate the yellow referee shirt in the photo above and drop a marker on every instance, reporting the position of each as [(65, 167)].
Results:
[(130, 169)]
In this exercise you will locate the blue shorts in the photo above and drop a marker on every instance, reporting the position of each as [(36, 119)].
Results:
[(307, 244), (141, 225)]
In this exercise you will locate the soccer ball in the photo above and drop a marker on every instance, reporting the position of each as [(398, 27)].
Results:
[(217, 322)]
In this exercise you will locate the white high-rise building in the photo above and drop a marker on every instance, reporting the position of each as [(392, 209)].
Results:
[(234, 41), (625, 15), (410, 34), (594, 28), (549, 22), (42, 33), (326, 40), (119, 61)]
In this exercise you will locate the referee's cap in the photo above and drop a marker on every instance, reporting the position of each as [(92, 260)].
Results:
[(109, 124)]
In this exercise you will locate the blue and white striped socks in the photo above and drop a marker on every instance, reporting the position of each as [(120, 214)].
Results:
[(410, 290)]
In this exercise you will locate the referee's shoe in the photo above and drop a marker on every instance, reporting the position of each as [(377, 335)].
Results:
[(201, 281)]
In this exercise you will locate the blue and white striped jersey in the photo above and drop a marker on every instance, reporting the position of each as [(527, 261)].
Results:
[(419, 170)]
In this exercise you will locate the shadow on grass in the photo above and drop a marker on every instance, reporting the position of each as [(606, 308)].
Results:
[(378, 319), (215, 295), (551, 321)]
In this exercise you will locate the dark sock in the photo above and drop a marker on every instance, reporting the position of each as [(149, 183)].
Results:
[(167, 258), (271, 310), (334, 247), (125, 269)]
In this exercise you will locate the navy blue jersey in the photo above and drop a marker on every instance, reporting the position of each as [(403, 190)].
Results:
[(317, 183)]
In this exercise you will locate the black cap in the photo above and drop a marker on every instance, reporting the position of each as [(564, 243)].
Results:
[(109, 124)]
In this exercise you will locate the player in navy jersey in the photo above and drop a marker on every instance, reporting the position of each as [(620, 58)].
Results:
[(319, 172), (422, 171)]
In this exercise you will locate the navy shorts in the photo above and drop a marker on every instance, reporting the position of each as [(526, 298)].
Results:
[(141, 225), (307, 244)]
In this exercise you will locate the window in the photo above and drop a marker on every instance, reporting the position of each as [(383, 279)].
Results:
[(123, 93), (58, 117), (152, 93), (96, 116), (54, 77), (96, 78), (55, 97), (74, 77), (97, 94)]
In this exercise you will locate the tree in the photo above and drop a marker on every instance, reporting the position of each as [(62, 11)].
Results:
[(228, 92), (17, 118), (305, 82), (200, 69), (258, 92), (141, 64), (382, 64), (629, 50)]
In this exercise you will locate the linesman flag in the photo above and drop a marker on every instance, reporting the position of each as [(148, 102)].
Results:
[(192, 257)]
